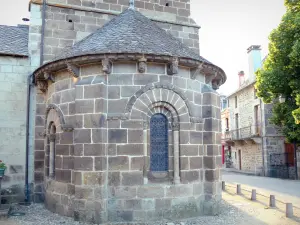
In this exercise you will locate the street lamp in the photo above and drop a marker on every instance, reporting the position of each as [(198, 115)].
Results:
[(282, 100)]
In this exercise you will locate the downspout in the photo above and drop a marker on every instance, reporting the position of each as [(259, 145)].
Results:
[(30, 81), (43, 33), (27, 188), (262, 138)]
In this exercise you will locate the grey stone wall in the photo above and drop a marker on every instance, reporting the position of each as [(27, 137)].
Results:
[(109, 179), (66, 26), (13, 82)]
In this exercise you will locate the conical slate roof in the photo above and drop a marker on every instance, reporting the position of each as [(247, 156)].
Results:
[(131, 32)]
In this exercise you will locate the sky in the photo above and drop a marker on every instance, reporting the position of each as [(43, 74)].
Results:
[(228, 28)]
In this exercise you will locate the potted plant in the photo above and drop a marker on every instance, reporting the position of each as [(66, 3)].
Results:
[(2, 168)]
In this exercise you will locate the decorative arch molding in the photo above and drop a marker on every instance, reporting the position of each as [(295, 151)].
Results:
[(55, 115), (161, 85), (168, 110)]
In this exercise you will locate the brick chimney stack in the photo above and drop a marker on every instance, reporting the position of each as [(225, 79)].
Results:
[(241, 78)]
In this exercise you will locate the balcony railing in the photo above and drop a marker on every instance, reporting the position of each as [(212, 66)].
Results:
[(244, 133)]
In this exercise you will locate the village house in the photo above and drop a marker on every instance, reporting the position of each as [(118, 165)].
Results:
[(257, 146), (118, 118)]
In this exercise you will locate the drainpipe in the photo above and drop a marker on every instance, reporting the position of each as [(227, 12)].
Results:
[(43, 33), (30, 81), (27, 188), (262, 139)]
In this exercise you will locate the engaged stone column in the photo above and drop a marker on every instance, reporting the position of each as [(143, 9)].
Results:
[(145, 141), (51, 154), (176, 157)]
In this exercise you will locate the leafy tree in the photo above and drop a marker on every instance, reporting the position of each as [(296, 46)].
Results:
[(280, 75)]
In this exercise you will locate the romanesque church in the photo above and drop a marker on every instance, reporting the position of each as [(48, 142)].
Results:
[(109, 113)]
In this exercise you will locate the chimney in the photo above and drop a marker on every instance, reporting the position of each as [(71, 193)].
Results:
[(241, 78), (254, 60)]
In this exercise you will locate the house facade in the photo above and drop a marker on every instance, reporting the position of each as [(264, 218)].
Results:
[(258, 147), (124, 111)]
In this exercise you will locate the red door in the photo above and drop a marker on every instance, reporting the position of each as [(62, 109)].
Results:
[(289, 150)]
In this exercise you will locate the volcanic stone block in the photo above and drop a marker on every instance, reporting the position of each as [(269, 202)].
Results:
[(117, 106), (132, 178), (94, 120), (99, 135), (114, 92), (184, 163), (63, 175), (179, 191), (196, 137), (137, 163), (93, 178), (208, 138), (211, 175), (100, 163), (135, 136), (100, 105), (118, 163), (150, 192), (66, 138), (68, 162), (188, 150), (128, 91), (117, 136), (189, 176), (130, 149), (133, 204), (209, 162), (95, 91), (196, 162), (83, 163), (84, 106), (94, 149), (144, 79), (114, 178), (82, 136), (120, 79)]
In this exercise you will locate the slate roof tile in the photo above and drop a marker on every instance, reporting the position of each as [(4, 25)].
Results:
[(14, 40)]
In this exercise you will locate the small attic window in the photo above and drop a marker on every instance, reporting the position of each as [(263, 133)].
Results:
[(167, 4)]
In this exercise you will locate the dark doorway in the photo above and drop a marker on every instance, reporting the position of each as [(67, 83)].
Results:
[(159, 156), (240, 160)]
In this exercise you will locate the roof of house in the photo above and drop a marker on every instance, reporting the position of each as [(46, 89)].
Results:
[(14, 40), (131, 32)]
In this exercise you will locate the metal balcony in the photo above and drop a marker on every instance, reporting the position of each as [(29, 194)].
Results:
[(250, 132)]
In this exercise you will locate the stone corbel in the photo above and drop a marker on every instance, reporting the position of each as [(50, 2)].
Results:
[(48, 76), (215, 84), (196, 71), (173, 66), (142, 65), (73, 70), (210, 78), (42, 85), (106, 64)]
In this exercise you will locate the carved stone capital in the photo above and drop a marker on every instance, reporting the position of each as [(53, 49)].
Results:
[(52, 137), (176, 126), (42, 85), (142, 65), (106, 64), (73, 70), (215, 84), (173, 66), (48, 76), (67, 128)]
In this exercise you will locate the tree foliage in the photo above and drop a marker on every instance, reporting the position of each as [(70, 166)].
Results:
[(280, 75)]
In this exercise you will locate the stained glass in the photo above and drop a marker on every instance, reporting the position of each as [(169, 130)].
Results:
[(159, 143)]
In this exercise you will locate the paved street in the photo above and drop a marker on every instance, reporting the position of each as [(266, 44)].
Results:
[(284, 190)]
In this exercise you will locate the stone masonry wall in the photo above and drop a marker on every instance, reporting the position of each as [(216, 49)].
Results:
[(66, 26), (251, 158), (13, 82), (109, 158)]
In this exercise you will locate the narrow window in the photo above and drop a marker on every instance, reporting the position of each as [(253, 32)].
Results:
[(52, 137), (159, 156)]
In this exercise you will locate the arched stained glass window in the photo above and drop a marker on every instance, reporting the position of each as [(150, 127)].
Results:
[(159, 143)]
